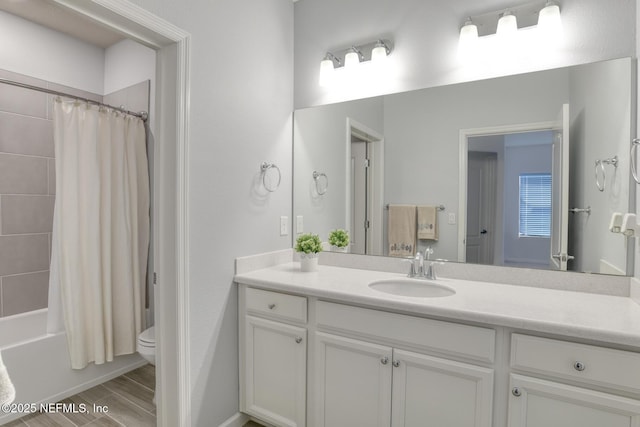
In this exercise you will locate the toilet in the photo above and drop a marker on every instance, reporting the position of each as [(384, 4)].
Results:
[(147, 345)]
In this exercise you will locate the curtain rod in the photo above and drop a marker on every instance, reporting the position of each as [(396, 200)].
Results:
[(142, 115)]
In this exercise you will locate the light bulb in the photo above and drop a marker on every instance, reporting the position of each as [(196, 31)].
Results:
[(507, 25), (351, 59), (468, 37), (326, 72), (549, 20), (379, 52)]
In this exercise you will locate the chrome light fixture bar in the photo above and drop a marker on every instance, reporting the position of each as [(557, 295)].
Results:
[(350, 57), (542, 13)]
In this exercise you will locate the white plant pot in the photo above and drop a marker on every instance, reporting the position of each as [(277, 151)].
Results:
[(308, 262), (343, 249)]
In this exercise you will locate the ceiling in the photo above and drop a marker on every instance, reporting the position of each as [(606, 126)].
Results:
[(56, 17)]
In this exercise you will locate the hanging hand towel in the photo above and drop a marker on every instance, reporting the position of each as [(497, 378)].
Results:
[(427, 223), (7, 392), (402, 230)]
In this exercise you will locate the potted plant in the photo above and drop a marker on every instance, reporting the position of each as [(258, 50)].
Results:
[(309, 246), (339, 240)]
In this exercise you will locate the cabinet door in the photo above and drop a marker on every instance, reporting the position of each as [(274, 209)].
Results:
[(538, 403), (437, 392), (275, 364), (352, 383)]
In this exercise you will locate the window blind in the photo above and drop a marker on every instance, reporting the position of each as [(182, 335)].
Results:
[(535, 205)]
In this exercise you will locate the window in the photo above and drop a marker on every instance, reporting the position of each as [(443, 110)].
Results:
[(535, 205)]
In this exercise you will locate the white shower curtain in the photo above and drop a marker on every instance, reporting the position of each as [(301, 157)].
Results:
[(101, 231)]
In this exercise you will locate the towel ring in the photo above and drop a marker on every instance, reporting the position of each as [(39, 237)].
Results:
[(317, 177), (265, 167), (600, 166), (634, 169)]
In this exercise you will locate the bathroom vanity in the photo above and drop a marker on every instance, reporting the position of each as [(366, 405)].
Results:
[(325, 349)]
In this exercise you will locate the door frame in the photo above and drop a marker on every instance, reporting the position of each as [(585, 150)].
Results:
[(465, 134), (377, 195), (170, 128)]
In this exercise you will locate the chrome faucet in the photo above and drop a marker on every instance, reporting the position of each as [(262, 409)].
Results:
[(419, 269), (417, 266)]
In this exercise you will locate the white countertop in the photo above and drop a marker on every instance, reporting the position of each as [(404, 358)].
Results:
[(610, 319)]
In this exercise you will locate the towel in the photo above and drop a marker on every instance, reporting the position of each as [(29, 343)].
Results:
[(7, 392), (402, 230), (427, 223)]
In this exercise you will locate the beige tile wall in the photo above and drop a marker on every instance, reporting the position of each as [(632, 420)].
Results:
[(27, 192)]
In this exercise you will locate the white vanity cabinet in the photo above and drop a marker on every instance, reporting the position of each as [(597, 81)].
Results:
[(537, 402), (273, 363), (371, 380)]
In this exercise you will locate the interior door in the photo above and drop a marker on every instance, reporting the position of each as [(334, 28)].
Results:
[(481, 207), (560, 193)]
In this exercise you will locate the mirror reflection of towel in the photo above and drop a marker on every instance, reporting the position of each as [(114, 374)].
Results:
[(402, 230), (7, 392), (427, 223)]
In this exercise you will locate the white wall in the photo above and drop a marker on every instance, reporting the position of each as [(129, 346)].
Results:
[(426, 36), (39, 52), (606, 137), (320, 135), (241, 104)]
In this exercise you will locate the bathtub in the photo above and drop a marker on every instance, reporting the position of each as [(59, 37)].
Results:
[(38, 362)]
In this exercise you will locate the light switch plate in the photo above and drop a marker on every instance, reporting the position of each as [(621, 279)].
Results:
[(284, 225), (452, 218)]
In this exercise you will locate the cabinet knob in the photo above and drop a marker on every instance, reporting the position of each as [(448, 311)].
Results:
[(516, 392), (271, 306), (396, 363), (579, 366), (298, 340), (384, 360)]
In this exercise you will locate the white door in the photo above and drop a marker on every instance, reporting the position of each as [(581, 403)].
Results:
[(538, 403), (481, 207), (560, 193), (359, 196), (438, 392), (353, 382), (275, 381)]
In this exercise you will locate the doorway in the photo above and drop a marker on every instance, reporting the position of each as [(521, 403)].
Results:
[(364, 192)]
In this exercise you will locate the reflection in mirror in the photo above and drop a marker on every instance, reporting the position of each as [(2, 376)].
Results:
[(506, 166)]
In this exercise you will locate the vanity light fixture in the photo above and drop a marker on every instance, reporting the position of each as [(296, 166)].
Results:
[(507, 24), (349, 58), (468, 36), (543, 14), (549, 18), (353, 57)]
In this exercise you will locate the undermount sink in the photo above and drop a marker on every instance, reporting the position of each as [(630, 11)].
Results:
[(412, 288)]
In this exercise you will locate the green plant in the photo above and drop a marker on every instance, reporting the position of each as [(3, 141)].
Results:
[(309, 243), (339, 238)]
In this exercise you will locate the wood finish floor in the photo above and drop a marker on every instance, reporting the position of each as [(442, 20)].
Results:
[(128, 400)]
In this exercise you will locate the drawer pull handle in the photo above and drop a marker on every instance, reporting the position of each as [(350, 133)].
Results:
[(516, 392), (384, 360), (271, 306), (579, 366), (298, 340), (396, 363)]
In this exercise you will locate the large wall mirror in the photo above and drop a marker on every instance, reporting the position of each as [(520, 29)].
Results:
[(523, 170)]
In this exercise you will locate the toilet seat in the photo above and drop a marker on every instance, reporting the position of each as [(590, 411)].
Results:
[(148, 337)]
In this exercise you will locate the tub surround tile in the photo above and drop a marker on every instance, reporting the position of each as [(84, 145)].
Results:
[(133, 98), (26, 135), (24, 254), (24, 292), (23, 174), (25, 214), (27, 102), (52, 177)]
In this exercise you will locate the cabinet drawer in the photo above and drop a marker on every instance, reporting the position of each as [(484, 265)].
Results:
[(587, 363), (276, 305), (444, 337)]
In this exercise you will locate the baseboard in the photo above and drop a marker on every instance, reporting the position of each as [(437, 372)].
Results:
[(237, 420)]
